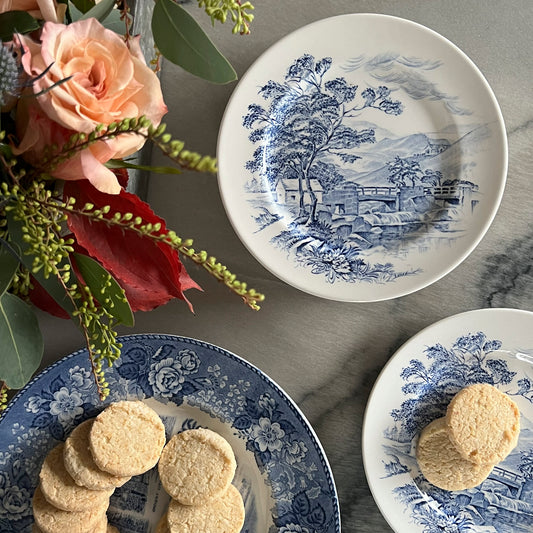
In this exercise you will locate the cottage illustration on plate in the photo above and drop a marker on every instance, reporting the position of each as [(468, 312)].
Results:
[(342, 173), (503, 502)]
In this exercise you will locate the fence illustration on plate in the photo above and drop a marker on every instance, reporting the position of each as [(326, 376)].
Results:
[(332, 188), (502, 503)]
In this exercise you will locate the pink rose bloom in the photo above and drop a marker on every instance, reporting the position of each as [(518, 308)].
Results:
[(109, 82), (48, 10)]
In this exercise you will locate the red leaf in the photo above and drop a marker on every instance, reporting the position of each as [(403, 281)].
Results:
[(151, 273), (122, 176)]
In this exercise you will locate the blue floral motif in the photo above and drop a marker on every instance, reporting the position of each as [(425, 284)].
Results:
[(170, 370), (428, 386)]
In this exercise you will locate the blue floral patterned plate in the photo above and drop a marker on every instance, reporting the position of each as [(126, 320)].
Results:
[(492, 346), (362, 157), (282, 474)]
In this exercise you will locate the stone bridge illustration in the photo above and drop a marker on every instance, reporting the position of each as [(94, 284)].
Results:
[(348, 198)]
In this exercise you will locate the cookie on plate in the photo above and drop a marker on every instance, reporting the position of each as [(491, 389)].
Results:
[(483, 423), (50, 519), (222, 515), (126, 438), (441, 463), (61, 491), (196, 465), (162, 525), (80, 464)]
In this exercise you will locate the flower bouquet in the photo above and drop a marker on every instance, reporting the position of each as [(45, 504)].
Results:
[(77, 101)]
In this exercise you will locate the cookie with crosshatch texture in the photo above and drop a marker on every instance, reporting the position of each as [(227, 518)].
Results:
[(50, 519), (80, 464), (222, 515), (60, 490), (441, 463), (483, 423), (196, 466), (126, 438)]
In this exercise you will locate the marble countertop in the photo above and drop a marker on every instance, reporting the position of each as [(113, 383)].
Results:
[(325, 354)]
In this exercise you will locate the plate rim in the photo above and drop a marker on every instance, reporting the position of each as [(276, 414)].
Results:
[(225, 353), (373, 392), (492, 210)]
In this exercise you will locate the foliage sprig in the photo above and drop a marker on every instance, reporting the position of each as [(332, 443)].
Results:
[(126, 221), (174, 149), (41, 216), (237, 11)]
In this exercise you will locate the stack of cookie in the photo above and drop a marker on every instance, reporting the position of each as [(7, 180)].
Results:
[(196, 469), (459, 451), (78, 477)]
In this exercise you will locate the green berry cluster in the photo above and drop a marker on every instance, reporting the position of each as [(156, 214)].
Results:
[(220, 9), (128, 222), (42, 216), (142, 126)]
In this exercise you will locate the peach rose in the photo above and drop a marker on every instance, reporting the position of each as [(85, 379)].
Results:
[(48, 10), (109, 82)]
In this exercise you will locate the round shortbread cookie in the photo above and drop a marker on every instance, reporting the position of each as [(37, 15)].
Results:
[(60, 489), (126, 438), (80, 464), (50, 519), (111, 529), (102, 526), (162, 525), (442, 465), (223, 515), (196, 465), (483, 423)]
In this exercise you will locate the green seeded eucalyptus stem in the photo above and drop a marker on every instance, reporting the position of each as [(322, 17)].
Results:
[(220, 9), (251, 297), (3, 396), (41, 217), (141, 126)]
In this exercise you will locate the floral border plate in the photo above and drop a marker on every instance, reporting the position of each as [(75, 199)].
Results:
[(362, 157), (415, 387), (282, 474)]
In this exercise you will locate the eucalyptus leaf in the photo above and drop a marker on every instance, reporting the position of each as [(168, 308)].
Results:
[(8, 266), (21, 341), (182, 41), (16, 22), (83, 5), (51, 285), (119, 163), (98, 279), (114, 23), (75, 13), (100, 11)]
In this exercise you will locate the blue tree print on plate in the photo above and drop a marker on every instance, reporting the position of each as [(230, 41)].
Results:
[(502, 503), (306, 172)]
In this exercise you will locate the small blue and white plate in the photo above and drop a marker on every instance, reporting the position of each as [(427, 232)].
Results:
[(282, 474), (492, 346), (362, 157)]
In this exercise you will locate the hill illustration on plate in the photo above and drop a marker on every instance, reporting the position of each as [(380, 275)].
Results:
[(343, 191)]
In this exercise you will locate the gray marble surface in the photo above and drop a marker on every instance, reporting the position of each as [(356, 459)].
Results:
[(327, 354)]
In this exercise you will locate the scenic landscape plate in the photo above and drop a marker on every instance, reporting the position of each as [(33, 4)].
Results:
[(282, 473), (415, 388), (362, 157)]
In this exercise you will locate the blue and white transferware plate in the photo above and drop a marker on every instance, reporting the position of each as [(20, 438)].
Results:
[(282, 473), (415, 388), (362, 157)]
